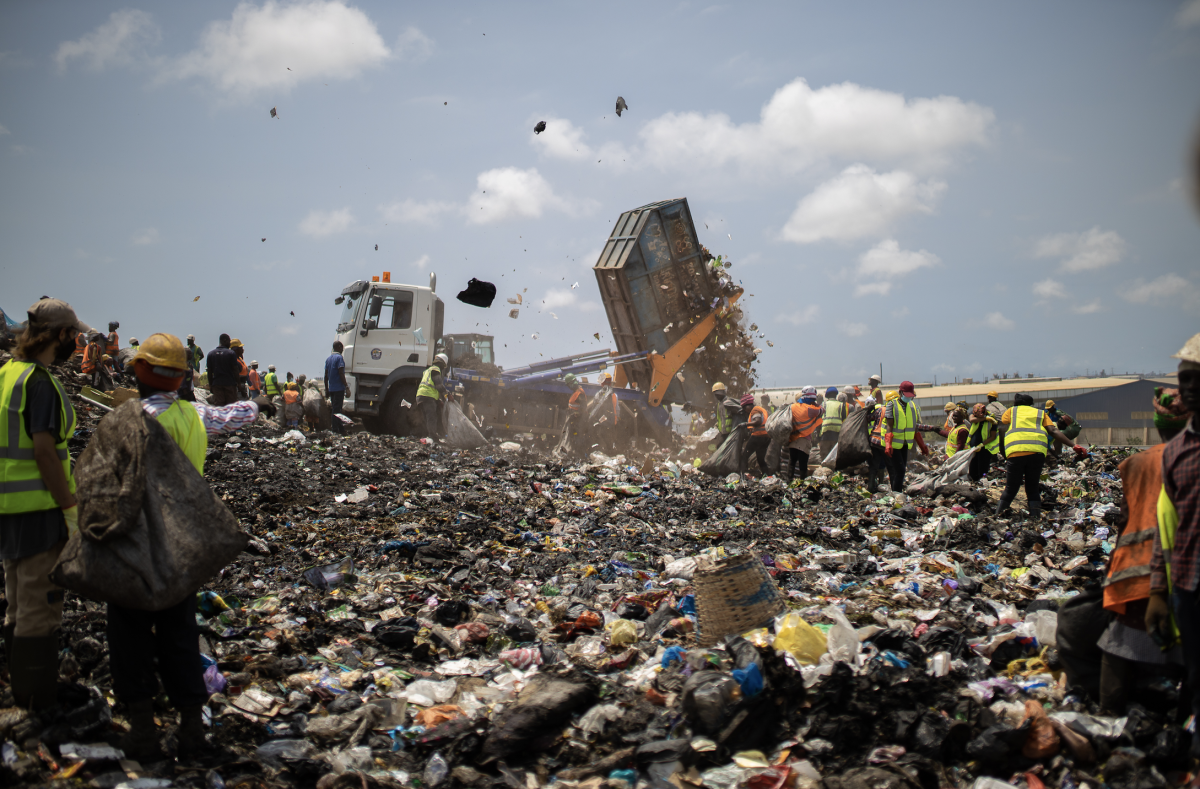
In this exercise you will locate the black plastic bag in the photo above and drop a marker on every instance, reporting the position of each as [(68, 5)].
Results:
[(728, 456), (854, 442), (478, 293)]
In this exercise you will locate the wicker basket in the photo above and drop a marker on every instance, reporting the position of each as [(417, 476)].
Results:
[(734, 596)]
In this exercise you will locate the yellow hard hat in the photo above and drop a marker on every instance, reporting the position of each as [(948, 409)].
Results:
[(948, 407), (994, 394), (293, 386), (1049, 403), (607, 377), (892, 395), (106, 358), (163, 350), (235, 343), (718, 387)]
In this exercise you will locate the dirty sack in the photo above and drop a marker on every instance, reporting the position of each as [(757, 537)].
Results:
[(151, 531), (316, 410), (728, 456), (478, 293), (460, 432), (854, 442), (953, 469)]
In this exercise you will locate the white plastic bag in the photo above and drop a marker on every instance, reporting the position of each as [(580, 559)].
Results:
[(460, 432), (842, 640), (830, 460), (779, 425)]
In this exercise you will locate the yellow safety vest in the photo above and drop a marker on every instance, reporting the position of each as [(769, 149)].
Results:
[(1168, 523), (833, 417), (991, 440), (427, 389), (724, 420), (952, 440), (271, 383), (1025, 431), (187, 428), (21, 486), (905, 416)]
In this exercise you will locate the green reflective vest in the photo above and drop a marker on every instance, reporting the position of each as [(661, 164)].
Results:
[(835, 412), (185, 426), (271, 385), (1025, 431), (427, 389), (905, 417), (952, 439), (724, 420), (21, 486), (991, 436)]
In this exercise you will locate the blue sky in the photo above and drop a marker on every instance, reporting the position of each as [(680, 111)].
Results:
[(949, 189)]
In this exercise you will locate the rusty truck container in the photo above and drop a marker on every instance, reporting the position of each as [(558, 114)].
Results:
[(654, 283)]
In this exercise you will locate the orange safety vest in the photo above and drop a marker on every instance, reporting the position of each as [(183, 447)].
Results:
[(1129, 569), (616, 409), (81, 343), (254, 380), (243, 370), (291, 397), (573, 403), (762, 430), (114, 343), (805, 419), (91, 356)]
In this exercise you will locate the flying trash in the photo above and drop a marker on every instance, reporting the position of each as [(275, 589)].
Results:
[(274, 114), (514, 312), (621, 106), (541, 127), (478, 293)]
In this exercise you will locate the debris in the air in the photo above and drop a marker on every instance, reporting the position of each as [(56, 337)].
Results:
[(596, 334), (552, 315), (730, 236), (770, 344), (621, 106), (576, 285), (293, 314), (516, 299), (196, 299), (541, 127), (376, 247), (264, 239), (533, 336), (274, 114), (478, 294), (445, 102), (514, 312)]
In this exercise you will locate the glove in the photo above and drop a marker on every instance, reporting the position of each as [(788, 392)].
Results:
[(1158, 616), (1080, 450), (921, 443), (72, 517), (887, 444), (265, 406)]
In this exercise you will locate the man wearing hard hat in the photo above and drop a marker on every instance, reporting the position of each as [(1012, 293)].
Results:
[(1175, 566)]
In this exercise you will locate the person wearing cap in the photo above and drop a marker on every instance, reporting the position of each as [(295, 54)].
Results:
[(194, 354), (948, 425), (336, 384), (983, 431), (429, 396), (833, 413), (255, 380), (1175, 564), (806, 422), (994, 406), (141, 643), (38, 509), (757, 442), (243, 385), (903, 430), (876, 393), (1027, 437), (876, 467), (728, 410), (224, 373), (849, 396)]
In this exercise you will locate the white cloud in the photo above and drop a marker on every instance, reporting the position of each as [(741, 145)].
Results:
[(289, 329), (509, 193), (3, 130), (852, 329), (561, 139), (1162, 289), (422, 262), (413, 45), (1087, 251), (873, 289), (900, 313), (885, 262), (558, 297), (1086, 309), (117, 42), (801, 317), (858, 203), (1188, 14), (423, 212), (254, 49), (145, 237), (320, 224), (943, 368), (1049, 289), (996, 320), (799, 125)]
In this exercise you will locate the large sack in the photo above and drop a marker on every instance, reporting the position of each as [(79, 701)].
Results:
[(854, 442), (461, 433), (316, 409), (728, 456), (779, 424), (151, 531), (953, 469)]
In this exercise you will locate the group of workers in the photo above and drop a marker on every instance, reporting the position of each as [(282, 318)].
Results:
[(39, 512)]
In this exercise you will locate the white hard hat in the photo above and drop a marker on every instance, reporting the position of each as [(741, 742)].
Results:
[(441, 357), (1190, 352), (254, 364)]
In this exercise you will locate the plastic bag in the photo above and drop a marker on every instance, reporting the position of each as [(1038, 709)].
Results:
[(842, 641), (460, 432), (728, 456), (854, 441), (779, 424), (799, 639), (953, 469), (1043, 740), (830, 460), (621, 632)]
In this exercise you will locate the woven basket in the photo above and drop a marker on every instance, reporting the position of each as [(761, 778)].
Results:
[(734, 596)]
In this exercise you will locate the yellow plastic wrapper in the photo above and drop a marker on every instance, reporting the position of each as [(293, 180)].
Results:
[(800, 639), (621, 632), (760, 637)]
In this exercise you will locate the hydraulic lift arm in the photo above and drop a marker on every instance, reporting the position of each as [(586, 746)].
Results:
[(666, 365)]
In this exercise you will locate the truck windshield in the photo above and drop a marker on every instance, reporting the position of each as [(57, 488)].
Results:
[(349, 311)]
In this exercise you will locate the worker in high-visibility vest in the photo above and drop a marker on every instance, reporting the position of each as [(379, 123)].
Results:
[(877, 465), (255, 381), (37, 497), (728, 410), (1175, 565), (833, 413), (903, 430), (757, 442), (576, 421), (135, 637), (983, 431), (1026, 441), (806, 422), (876, 394), (429, 396), (956, 439)]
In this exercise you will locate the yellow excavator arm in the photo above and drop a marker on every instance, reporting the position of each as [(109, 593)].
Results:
[(666, 365)]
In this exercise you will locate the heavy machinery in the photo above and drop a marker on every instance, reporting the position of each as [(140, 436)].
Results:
[(653, 278)]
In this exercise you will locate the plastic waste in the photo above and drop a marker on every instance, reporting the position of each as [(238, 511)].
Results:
[(436, 770), (799, 639)]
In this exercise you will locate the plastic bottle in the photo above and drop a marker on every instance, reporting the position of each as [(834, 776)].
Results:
[(436, 770)]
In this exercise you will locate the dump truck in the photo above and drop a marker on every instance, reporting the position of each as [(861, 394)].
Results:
[(653, 278)]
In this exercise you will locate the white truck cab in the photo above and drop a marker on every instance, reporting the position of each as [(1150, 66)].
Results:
[(389, 334)]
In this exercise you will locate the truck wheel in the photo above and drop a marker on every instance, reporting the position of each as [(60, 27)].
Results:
[(397, 419), (374, 424)]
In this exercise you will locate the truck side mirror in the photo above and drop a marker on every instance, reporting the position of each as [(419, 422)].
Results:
[(368, 325), (339, 299)]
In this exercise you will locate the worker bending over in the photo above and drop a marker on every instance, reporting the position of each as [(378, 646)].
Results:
[(983, 432), (1026, 441), (430, 397), (757, 442), (728, 412)]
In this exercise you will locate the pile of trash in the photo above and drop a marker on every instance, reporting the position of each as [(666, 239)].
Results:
[(409, 615)]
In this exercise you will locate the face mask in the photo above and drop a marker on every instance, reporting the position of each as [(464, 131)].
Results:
[(905, 399)]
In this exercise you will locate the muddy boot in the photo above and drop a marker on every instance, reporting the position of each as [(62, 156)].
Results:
[(141, 743), (33, 667), (191, 733)]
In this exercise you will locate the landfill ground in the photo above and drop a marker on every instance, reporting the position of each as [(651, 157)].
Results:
[(407, 614)]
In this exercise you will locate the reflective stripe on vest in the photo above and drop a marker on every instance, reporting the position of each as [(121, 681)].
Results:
[(805, 419), (114, 344), (21, 486), (832, 422), (952, 440), (81, 343), (427, 389), (991, 439), (1025, 431), (904, 429), (185, 426), (724, 422), (91, 357), (761, 430), (272, 385)]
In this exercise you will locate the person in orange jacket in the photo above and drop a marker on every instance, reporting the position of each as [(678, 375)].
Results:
[(806, 422), (757, 442)]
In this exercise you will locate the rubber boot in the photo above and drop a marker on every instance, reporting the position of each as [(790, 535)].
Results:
[(141, 743), (33, 668), (191, 732)]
